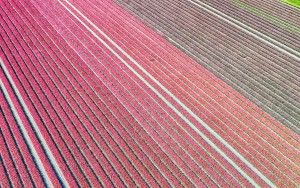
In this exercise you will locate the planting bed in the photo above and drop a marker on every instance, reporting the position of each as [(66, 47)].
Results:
[(91, 96)]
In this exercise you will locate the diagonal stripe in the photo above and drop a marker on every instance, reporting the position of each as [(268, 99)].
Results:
[(243, 27), (26, 136), (36, 129), (176, 99)]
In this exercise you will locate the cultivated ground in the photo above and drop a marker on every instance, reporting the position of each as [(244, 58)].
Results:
[(260, 58), (149, 94)]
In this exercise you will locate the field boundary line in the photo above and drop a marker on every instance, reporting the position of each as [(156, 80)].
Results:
[(245, 175), (247, 29)]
